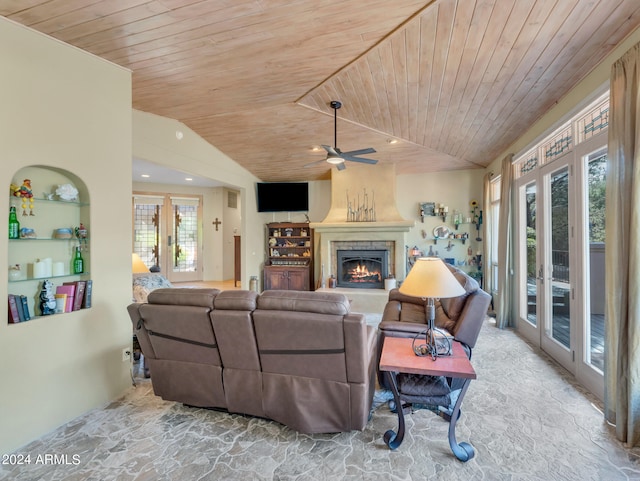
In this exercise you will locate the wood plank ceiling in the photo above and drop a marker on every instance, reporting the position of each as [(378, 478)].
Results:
[(455, 82)]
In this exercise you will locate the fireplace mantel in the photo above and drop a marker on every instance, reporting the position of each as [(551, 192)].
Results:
[(388, 226)]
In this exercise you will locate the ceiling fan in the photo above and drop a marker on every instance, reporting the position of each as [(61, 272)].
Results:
[(334, 155)]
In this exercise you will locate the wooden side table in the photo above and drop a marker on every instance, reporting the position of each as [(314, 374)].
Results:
[(398, 357)]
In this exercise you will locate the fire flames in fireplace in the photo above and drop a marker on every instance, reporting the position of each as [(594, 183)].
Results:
[(362, 274), (365, 269)]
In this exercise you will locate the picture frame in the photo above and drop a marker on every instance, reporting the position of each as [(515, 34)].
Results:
[(427, 209)]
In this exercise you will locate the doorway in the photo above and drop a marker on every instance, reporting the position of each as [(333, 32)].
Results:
[(167, 234), (560, 259)]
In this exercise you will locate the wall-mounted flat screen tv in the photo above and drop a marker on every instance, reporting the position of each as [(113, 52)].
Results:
[(282, 196)]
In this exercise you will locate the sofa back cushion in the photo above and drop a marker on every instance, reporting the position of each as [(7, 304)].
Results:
[(305, 301), (184, 296), (301, 333), (236, 300), (453, 306), (301, 344), (232, 321), (178, 324)]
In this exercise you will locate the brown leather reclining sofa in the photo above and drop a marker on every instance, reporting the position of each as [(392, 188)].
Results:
[(299, 358)]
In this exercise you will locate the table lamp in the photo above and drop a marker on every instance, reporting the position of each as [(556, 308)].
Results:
[(431, 279), (137, 266)]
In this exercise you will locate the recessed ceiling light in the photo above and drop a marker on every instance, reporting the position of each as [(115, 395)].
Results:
[(188, 178), (179, 135), (392, 141), (316, 149), (146, 176)]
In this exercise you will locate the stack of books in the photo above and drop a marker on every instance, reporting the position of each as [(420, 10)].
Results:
[(70, 296)]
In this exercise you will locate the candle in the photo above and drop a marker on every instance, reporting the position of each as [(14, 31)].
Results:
[(48, 266), (58, 268), (39, 269)]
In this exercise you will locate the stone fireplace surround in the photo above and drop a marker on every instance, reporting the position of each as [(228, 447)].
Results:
[(362, 246), (358, 236)]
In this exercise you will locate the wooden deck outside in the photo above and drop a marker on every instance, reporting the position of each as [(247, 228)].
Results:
[(561, 326)]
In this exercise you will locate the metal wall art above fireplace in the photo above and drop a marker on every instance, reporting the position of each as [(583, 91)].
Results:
[(365, 269)]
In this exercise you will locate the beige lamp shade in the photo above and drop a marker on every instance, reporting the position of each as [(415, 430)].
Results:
[(430, 277), (137, 266)]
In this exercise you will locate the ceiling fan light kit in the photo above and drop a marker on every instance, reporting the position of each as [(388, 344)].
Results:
[(334, 155)]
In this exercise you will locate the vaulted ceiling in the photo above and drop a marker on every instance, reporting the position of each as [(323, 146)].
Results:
[(454, 82)]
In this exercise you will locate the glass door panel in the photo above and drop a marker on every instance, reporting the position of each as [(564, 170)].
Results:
[(184, 241), (147, 213), (595, 295), (558, 291), (529, 277)]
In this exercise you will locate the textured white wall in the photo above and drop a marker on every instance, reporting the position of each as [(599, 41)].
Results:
[(66, 109)]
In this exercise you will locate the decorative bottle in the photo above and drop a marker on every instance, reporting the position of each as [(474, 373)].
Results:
[(78, 262), (14, 225)]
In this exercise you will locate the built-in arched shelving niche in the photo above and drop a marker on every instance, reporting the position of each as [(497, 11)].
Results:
[(52, 207)]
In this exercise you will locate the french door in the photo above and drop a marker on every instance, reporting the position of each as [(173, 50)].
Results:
[(167, 235), (560, 260)]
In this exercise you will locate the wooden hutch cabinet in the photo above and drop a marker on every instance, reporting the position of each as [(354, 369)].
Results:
[(289, 263)]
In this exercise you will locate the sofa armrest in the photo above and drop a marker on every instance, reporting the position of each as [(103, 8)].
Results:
[(472, 317), (359, 347), (138, 328)]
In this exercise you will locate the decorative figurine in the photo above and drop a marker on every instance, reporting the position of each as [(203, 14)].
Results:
[(27, 233), (47, 299), (67, 192), (81, 233), (15, 272), (24, 192)]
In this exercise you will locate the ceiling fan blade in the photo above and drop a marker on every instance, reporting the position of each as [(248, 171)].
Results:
[(334, 155), (331, 150), (360, 152), (314, 163), (359, 159)]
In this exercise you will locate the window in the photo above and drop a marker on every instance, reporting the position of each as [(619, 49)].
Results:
[(494, 196)]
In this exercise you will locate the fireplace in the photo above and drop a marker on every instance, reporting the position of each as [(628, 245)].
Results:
[(364, 269)]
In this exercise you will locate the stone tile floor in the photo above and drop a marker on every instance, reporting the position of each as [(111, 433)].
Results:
[(524, 415)]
